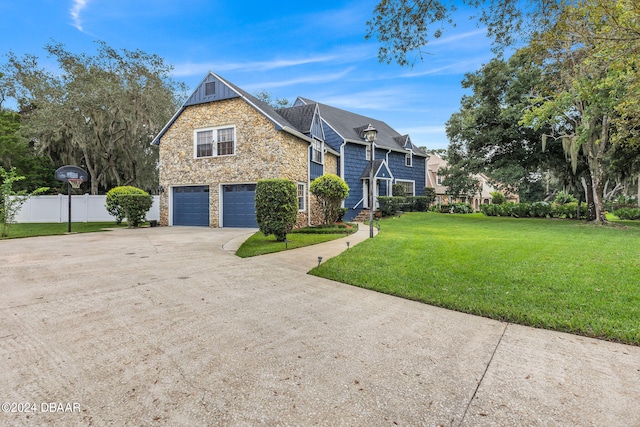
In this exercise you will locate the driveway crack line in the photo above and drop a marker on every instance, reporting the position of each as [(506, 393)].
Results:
[(464, 415)]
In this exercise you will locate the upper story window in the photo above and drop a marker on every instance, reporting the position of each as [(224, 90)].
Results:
[(204, 143), (215, 142), (210, 89), (301, 196), (408, 159), (368, 153), (439, 180), (316, 151)]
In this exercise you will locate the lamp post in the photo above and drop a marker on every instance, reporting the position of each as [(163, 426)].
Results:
[(370, 134)]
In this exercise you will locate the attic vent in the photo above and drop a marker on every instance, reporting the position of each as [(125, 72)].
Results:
[(210, 89)]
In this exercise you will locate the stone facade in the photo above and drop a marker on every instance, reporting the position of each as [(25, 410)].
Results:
[(261, 152)]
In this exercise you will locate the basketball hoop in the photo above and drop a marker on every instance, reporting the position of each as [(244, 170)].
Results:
[(75, 182)]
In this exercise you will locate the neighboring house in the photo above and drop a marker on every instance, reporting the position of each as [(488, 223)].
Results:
[(434, 180), (223, 140)]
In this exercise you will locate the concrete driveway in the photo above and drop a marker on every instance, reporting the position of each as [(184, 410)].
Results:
[(164, 326)]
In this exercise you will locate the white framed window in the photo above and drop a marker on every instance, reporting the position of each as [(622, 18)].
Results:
[(317, 151), (302, 195), (204, 143), (213, 142), (367, 154), (409, 187), (439, 180), (408, 159)]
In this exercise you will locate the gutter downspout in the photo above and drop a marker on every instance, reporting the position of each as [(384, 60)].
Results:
[(308, 189), (344, 142), (389, 187)]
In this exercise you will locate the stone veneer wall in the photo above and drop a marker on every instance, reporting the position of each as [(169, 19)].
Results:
[(261, 152)]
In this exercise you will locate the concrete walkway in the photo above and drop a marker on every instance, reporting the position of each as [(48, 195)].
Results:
[(166, 326), (304, 259)]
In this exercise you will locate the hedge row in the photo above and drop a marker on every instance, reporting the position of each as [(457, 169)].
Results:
[(389, 206), (458, 208), (627, 213), (536, 210)]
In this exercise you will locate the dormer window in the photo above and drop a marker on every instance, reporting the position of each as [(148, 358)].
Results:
[(408, 160), (316, 151)]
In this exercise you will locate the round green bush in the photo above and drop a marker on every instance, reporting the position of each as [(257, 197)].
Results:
[(330, 190), (276, 207), (128, 202)]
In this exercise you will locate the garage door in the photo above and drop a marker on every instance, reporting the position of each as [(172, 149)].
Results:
[(191, 205), (238, 205)]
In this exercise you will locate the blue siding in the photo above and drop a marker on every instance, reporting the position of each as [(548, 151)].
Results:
[(316, 126), (354, 164), (415, 173), (222, 91), (332, 139), (315, 169)]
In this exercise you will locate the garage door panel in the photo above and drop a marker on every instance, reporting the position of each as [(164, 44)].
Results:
[(191, 205), (238, 205)]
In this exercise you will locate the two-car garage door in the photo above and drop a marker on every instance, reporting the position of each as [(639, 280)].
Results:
[(191, 205)]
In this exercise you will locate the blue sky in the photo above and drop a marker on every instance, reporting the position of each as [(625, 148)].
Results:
[(289, 48)]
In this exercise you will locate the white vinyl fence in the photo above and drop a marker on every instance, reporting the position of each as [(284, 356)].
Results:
[(84, 208)]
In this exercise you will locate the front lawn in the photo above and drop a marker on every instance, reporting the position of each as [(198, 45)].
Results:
[(556, 274), (258, 244), (48, 229)]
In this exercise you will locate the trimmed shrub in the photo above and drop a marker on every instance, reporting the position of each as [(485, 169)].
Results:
[(430, 194), (389, 206), (330, 190), (128, 202), (276, 207), (417, 203), (497, 198)]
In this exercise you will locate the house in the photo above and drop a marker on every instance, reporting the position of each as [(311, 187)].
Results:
[(434, 180), (223, 140)]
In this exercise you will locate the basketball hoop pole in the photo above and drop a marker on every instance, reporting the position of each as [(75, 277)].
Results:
[(69, 193), (74, 177)]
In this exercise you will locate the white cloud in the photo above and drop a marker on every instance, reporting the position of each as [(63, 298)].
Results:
[(190, 68), (312, 79), (78, 6), (388, 99), (455, 68)]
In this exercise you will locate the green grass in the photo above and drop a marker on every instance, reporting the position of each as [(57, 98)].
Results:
[(48, 229), (258, 244), (555, 274)]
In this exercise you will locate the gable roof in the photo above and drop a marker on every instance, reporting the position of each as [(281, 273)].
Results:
[(380, 169), (300, 116), (350, 126), (231, 91)]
